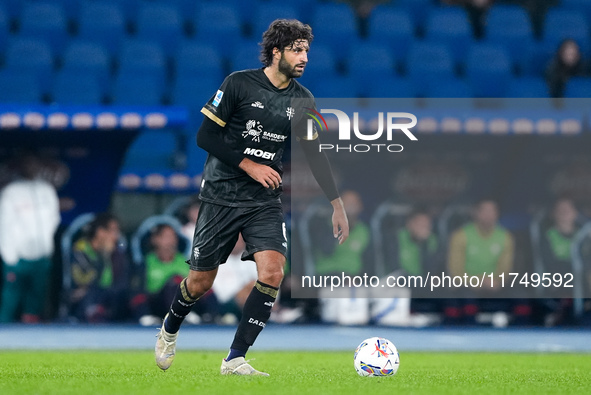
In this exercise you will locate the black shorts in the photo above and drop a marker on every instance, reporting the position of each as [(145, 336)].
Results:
[(218, 227)]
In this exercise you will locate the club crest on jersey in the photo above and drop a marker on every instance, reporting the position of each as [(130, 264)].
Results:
[(290, 112), (218, 98), (254, 129)]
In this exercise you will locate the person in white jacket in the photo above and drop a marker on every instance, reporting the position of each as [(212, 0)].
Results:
[(29, 217)]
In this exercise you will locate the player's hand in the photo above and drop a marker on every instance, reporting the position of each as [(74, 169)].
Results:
[(340, 223), (263, 174)]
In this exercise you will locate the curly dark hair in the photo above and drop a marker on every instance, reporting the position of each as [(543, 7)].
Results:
[(281, 34)]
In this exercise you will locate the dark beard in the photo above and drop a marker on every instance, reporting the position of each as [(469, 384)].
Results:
[(287, 70)]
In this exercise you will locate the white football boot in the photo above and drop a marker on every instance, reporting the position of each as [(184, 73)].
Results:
[(165, 348), (240, 367)]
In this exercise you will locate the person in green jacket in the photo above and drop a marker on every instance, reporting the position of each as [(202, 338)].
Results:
[(483, 246), (347, 258), (164, 269)]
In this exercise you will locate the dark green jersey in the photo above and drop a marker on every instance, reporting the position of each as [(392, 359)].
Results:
[(256, 117)]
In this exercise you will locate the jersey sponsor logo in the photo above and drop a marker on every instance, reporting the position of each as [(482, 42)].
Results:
[(218, 98), (290, 112), (277, 138), (259, 153), (257, 104), (196, 253)]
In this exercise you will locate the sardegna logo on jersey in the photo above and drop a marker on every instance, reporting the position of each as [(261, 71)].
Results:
[(393, 121)]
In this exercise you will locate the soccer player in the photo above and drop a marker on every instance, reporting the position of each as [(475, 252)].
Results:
[(245, 129)]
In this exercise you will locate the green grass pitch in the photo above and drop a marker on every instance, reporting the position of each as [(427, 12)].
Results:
[(134, 372)]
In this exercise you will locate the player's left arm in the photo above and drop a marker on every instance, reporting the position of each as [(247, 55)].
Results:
[(320, 167)]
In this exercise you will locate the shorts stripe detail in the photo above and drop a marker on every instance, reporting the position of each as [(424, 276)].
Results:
[(185, 293), (272, 292), (213, 117)]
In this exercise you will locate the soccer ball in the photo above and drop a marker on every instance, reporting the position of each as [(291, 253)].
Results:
[(376, 356)]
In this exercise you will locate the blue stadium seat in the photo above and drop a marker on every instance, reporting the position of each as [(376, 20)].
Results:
[(268, 12), (4, 28), (336, 26), (417, 9), (335, 86), (578, 87), (102, 22), (193, 90), (528, 87), (89, 57), (536, 58), (580, 6), (76, 88), (45, 20), (429, 62), (218, 24), (19, 87), (13, 8), (70, 7), (450, 26), (392, 86), (30, 56), (246, 56), (511, 27), (160, 23), (143, 57), (194, 58), (488, 70), (449, 88), (133, 88), (561, 24), (152, 150), (186, 8), (392, 27), (368, 58)]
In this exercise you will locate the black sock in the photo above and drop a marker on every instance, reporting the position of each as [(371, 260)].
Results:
[(180, 307), (255, 314)]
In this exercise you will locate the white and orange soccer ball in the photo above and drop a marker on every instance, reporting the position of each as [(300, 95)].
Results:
[(376, 356)]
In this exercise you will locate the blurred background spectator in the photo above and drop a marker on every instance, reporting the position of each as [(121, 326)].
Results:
[(568, 62), (100, 273), (163, 269), (29, 217)]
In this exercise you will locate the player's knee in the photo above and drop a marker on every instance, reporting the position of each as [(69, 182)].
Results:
[(198, 283), (272, 276)]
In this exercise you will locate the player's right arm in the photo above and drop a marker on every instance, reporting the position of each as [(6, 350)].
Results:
[(210, 139)]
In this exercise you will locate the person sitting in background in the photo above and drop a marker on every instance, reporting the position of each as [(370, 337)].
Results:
[(349, 257), (418, 252), (99, 273), (29, 217), (163, 270), (482, 246), (557, 240), (417, 246), (555, 251), (233, 283), (567, 63)]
